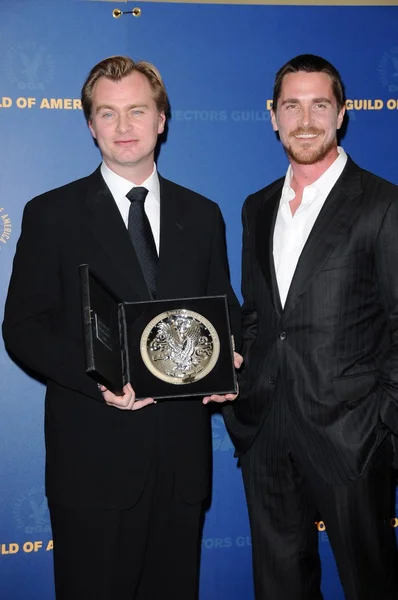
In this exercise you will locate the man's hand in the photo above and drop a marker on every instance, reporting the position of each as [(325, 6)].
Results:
[(125, 402), (238, 360)]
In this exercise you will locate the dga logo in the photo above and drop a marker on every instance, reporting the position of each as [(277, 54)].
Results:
[(31, 511), (5, 227), (29, 66), (388, 70), (221, 439)]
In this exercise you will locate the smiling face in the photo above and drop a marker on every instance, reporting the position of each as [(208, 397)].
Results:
[(126, 124), (307, 117)]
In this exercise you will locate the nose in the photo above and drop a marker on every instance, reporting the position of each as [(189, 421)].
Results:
[(305, 116), (123, 124)]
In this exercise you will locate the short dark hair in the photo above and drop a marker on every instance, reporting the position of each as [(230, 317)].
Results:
[(116, 68), (309, 63)]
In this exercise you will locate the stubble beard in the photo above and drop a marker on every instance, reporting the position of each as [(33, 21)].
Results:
[(306, 155)]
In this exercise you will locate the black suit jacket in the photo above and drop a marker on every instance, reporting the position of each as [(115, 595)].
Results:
[(331, 354), (98, 455)]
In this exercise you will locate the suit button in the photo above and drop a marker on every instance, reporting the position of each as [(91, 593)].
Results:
[(282, 335), (271, 380)]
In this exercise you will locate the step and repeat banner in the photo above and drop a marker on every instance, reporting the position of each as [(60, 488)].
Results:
[(218, 63)]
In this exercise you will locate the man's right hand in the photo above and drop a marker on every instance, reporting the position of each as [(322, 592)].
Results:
[(125, 402)]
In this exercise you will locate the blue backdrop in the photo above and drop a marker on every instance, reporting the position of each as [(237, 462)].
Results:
[(218, 63)]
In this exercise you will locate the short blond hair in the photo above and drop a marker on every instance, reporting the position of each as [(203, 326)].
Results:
[(116, 68)]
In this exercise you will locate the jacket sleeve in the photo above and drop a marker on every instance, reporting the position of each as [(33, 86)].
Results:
[(249, 313), (30, 329), (218, 278), (386, 256)]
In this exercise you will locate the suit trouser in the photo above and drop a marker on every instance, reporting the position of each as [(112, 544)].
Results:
[(285, 499), (148, 552)]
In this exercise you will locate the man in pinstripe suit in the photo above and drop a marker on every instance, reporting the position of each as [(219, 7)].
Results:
[(318, 411)]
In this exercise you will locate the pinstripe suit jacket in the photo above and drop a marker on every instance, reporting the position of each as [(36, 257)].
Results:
[(331, 354)]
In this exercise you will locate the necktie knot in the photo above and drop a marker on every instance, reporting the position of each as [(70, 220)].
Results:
[(137, 194)]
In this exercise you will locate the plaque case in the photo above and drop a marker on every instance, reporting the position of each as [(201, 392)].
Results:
[(125, 342)]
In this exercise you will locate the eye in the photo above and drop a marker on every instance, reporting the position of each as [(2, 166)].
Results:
[(107, 115), (291, 106), (320, 105), (137, 111)]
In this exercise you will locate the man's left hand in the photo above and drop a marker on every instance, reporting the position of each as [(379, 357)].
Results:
[(238, 360)]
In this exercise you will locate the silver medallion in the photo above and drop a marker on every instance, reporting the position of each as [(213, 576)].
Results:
[(180, 346)]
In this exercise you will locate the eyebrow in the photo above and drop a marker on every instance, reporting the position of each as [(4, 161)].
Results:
[(110, 107), (314, 101)]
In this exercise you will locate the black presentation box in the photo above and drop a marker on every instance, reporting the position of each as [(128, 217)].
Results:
[(113, 331)]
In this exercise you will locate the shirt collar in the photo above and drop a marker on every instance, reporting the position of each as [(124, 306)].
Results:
[(324, 183), (119, 186)]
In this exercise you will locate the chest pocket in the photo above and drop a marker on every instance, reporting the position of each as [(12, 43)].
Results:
[(344, 262)]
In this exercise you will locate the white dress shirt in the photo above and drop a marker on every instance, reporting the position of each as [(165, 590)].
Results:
[(291, 232), (119, 187)]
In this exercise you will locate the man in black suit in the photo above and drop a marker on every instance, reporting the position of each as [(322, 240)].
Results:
[(318, 409), (125, 478)]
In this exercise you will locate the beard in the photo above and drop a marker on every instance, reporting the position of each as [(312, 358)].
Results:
[(306, 154)]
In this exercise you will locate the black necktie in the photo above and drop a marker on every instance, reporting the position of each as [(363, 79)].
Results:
[(141, 235)]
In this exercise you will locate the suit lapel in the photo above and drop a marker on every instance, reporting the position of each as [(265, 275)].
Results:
[(337, 214), (172, 210), (107, 226), (264, 242)]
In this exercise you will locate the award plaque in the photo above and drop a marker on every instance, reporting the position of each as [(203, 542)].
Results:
[(173, 348), (180, 346)]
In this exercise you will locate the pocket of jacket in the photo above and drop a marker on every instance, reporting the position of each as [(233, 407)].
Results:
[(344, 262), (352, 388)]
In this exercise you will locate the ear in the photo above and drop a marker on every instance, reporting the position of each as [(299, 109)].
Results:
[(90, 125), (162, 121), (340, 117), (273, 120)]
